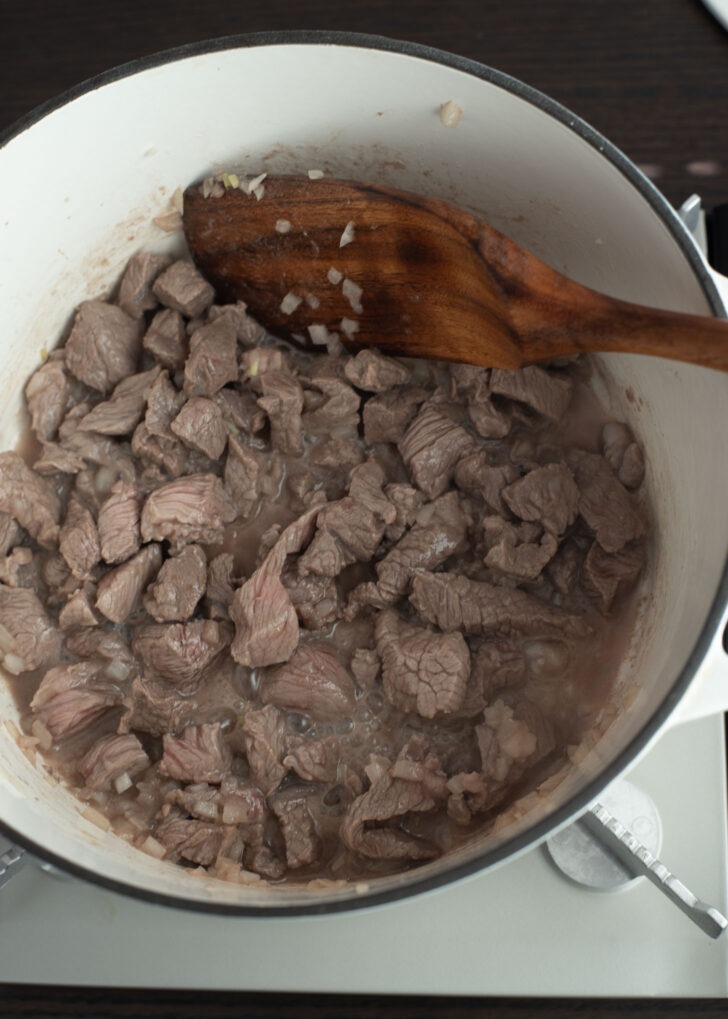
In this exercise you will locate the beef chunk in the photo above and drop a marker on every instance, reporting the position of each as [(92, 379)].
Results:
[(606, 506), (79, 539), (78, 610), (452, 602), (111, 759), (544, 391), (422, 672), (249, 332), (47, 394), (563, 570), (386, 417), (19, 569), (375, 373), (315, 599), (607, 577), (282, 400), (163, 406), (254, 364), (104, 345), (197, 841), (180, 652), (10, 533), (266, 625), (194, 508), (314, 760), (29, 499), (166, 339), (487, 420), (623, 454), (264, 733), (122, 412), (339, 453), (55, 459), (406, 501), (212, 361), (118, 525), (314, 682), (70, 697), (338, 410), (120, 590), (153, 706), (510, 555), (183, 289), (180, 584), (103, 452), (240, 412), (199, 425), (29, 639), (219, 591), (431, 448), (200, 754), (243, 473), (482, 480), (135, 290), (548, 495), (300, 837), (497, 665)]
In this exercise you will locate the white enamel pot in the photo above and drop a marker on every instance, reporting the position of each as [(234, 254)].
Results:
[(81, 180)]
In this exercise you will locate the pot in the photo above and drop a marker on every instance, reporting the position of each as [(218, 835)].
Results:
[(82, 179)]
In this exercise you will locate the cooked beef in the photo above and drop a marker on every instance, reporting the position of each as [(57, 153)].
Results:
[(337, 410), (406, 501), (264, 734), (10, 533), (78, 610), (339, 453), (453, 602), (119, 591), (200, 426), (55, 459), (219, 591), (243, 469), (122, 412), (249, 332), (166, 339), (194, 508), (623, 454), (180, 652), (516, 558), (163, 405), (104, 345), (180, 584), (70, 697), (28, 638), (240, 411), (197, 841), (431, 448), (79, 539), (314, 682), (548, 495), (29, 499), (386, 416), (118, 523), (159, 455), (497, 665), (314, 760), (315, 599), (487, 420), (212, 361), (298, 827), (422, 671), (112, 759), (563, 570), (375, 373), (607, 577), (47, 394), (282, 400), (19, 569), (100, 643), (154, 707), (135, 289), (475, 476), (200, 754), (103, 452), (181, 288), (608, 509), (547, 392)]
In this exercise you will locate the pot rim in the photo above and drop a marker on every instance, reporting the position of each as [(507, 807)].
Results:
[(579, 802)]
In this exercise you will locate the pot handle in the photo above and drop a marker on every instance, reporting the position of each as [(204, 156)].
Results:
[(708, 693)]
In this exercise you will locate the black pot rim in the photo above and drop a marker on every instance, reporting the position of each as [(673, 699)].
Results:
[(663, 209)]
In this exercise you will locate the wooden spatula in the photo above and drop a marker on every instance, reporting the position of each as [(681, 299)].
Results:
[(414, 276)]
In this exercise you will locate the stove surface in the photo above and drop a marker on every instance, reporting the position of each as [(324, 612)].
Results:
[(522, 929)]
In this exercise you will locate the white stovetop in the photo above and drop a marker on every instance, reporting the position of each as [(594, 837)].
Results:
[(519, 930)]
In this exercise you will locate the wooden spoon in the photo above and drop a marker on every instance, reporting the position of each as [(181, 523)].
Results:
[(434, 281)]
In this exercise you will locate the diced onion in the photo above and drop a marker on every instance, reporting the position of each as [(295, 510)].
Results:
[(349, 327), (151, 846), (118, 670), (283, 226), (14, 664), (41, 733), (315, 174), (319, 334), (352, 292), (348, 234), (290, 302), (334, 276), (123, 782), (450, 113), (97, 818)]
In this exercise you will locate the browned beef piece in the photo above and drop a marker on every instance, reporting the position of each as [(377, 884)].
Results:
[(249, 332), (513, 557), (104, 452), (219, 591), (163, 405), (194, 508), (200, 754), (79, 539), (303, 845), (623, 454), (240, 411), (212, 361), (200, 426), (486, 419), (339, 453), (166, 339), (104, 345), (548, 495), (55, 459), (314, 682), (314, 760), (20, 569), (119, 591), (112, 758), (201, 800), (122, 412), (406, 501), (153, 706), (375, 373), (497, 665), (315, 599), (78, 610), (266, 625), (71, 696), (47, 393), (453, 602), (59, 581), (135, 289), (180, 584), (282, 400), (118, 523), (180, 652), (183, 289), (29, 639), (365, 666), (338, 408), (158, 453), (244, 468), (386, 416), (264, 733), (29, 499), (431, 448), (475, 476), (235, 801), (606, 506), (563, 570), (352, 528), (546, 392), (607, 577), (422, 671), (10, 533), (197, 841)]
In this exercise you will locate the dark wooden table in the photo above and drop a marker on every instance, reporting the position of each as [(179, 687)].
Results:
[(652, 75)]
